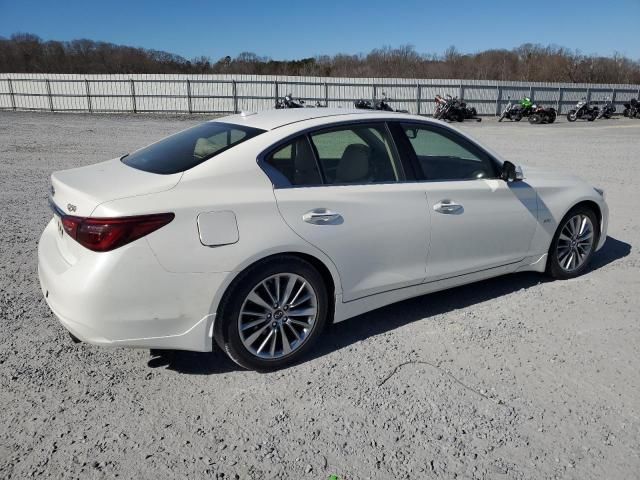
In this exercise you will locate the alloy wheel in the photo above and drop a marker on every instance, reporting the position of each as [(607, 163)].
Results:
[(277, 316), (575, 242)]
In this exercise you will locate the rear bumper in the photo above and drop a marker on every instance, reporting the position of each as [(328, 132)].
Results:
[(125, 298)]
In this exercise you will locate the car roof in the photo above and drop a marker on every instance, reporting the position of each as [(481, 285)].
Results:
[(275, 118)]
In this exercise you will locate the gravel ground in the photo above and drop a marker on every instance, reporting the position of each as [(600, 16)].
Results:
[(514, 378)]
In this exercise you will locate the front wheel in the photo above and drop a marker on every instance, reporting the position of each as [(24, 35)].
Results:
[(552, 116), (573, 244), (274, 314), (572, 116)]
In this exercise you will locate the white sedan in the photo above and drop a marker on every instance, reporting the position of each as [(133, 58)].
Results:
[(254, 231)]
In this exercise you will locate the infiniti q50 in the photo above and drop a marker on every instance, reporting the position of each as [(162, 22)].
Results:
[(253, 231)]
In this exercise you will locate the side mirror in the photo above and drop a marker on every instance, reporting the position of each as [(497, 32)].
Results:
[(511, 172)]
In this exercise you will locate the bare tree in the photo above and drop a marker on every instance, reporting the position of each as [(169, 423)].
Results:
[(27, 53)]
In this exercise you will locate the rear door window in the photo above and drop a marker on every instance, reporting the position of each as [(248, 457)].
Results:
[(356, 154), (293, 164), (189, 148)]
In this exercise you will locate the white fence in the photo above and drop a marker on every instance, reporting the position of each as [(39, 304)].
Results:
[(235, 93)]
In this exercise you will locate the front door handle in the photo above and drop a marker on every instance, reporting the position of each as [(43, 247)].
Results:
[(448, 207), (322, 216)]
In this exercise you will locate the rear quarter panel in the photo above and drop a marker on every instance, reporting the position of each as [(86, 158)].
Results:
[(231, 182)]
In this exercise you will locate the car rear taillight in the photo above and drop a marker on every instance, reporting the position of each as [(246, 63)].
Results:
[(70, 224), (105, 234)]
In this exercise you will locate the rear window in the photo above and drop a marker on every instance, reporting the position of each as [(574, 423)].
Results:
[(189, 148)]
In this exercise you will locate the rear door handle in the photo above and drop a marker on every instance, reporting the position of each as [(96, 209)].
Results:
[(448, 207), (322, 216)]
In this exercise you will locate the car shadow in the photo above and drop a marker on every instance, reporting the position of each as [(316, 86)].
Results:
[(387, 318)]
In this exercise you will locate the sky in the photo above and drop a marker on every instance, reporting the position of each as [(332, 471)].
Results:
[(287, 30)]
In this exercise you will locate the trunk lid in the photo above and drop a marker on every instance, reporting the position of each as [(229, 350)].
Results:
[(79, 191)]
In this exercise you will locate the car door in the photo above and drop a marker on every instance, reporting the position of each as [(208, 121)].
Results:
[(478, 221), (341, 190)]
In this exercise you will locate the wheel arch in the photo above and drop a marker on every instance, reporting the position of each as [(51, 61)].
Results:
[(589, 204), (329, 276)]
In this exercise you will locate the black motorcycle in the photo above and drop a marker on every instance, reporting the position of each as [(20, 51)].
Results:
[(469, 113), (584, 110), (452, 109), (632, 109), (607, 110), (289, 102), (382, 104), (540, 114)]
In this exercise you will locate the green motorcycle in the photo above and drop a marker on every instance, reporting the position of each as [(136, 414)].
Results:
[(515, 112), (526, 108)]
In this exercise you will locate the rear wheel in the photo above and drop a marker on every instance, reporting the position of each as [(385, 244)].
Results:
[(274, 314), (535, 119), (573, 244), (572, 116)]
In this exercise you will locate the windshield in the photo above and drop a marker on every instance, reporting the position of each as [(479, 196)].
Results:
[(189, 148)]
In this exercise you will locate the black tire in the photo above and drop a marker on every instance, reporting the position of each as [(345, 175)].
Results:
[(625, 112), (552, 115), (554, 269), (572, 116), (592, 117), (227, 332), (535, 119)]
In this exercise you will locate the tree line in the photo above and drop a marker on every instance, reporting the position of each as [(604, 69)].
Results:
[(27, 53)]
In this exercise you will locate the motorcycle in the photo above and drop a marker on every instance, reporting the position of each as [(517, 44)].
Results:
[(516, 112), (469, 113), (289, 102), (382, 104), (540, 114), (584, 110), (632, 109), (607, 110), (450, 108)]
